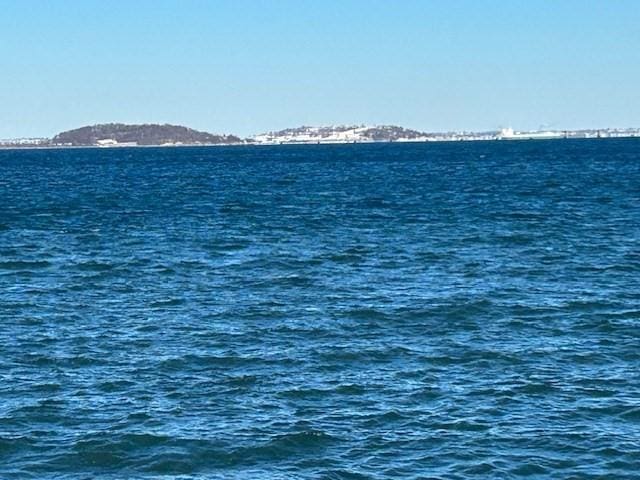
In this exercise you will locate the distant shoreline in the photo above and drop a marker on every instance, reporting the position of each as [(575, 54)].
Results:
[(256, 144), (119, 147), (120, 135)]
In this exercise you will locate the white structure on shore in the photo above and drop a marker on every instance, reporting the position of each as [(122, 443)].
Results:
[(110, 142), (24, 141), (510, 134), (315, 135)]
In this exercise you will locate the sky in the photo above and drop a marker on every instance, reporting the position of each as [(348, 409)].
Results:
[(250, 66)]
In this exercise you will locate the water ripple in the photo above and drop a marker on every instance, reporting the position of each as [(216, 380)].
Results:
[(447, 311)]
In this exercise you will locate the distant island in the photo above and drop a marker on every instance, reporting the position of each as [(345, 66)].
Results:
[(342, 134), (119, 134), (123, 135), (392, 133)]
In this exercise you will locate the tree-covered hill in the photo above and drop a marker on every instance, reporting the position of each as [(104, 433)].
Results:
[(147, 134)]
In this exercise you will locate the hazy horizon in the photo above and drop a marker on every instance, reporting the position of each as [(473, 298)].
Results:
[(337, 125), (245, 68)]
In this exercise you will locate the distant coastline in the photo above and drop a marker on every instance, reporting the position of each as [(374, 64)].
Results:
[(118, 135)]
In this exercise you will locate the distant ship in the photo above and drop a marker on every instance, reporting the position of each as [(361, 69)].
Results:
[(509, 134)]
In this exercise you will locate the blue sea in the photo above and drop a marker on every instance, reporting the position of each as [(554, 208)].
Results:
[(386, 311)]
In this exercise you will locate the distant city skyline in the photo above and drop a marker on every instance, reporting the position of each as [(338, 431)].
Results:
[(246, 67)]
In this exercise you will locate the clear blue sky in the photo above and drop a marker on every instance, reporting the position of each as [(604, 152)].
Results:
[(243, 66)]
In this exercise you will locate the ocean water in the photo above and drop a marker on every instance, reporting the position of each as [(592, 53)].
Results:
[(451, 311)]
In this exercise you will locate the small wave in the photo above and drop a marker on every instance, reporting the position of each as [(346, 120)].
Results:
[(366, 314), (346, 475), (235, 207), (24, 265), (13, 444), (515, 239), (292, 280), (115, 386), (483, 468), (200, 361), (241, 380), (94, 266), (304, 393), (464, 426), (169, 302), (529, 469), (346, 258), (284, 445), (632, 414)]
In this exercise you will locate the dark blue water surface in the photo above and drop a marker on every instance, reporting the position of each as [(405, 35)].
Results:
[(453, 311)]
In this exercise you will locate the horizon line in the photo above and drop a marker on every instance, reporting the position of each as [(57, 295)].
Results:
[(335, 126)]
